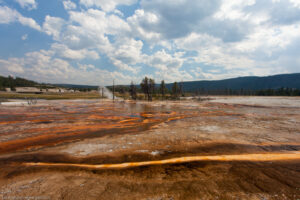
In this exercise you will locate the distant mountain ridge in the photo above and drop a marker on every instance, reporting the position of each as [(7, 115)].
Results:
[(245, 83)]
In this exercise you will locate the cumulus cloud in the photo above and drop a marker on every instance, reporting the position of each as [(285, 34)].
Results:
[(164, 20), (64, 52), (8, 15), (99, 21), (69, 5), (43, 66), (127, 50), (90, 32), (213, 51), (177, 18), (86, 67), (107, 5), (234, 9), (164, 61), (295, 3), (85, 29), (11, 66), (278, 12), (173, 75), (141, 24), (53, 26), (29, 22), (29, 4)]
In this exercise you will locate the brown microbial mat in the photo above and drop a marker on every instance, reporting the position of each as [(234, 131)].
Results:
[(224, 148)]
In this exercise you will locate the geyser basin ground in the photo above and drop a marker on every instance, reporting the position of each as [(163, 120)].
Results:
[(230, 147)]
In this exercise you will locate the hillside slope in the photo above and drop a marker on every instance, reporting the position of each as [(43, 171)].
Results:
[(246, 83)]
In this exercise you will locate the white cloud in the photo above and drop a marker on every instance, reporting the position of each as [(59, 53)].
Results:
[(141, 18), (69, 5), (24, 37), (126, 54), (268, 40), (213, 51), (53, 26), (296, 3), (90, 32), (29, 4), (86, 67), (122, 66), (43, 66), (98, 21), (234, 9), (29, 22), (107, 5), (64, 52), (86, 29), (261, 53), (127, 50), (8, 15), (11, 66), (173, 75), (164, 61), (174, 19), (77, 37), (118, 12)]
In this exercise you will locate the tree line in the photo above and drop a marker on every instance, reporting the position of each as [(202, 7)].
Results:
[(279, 92), (150, 90), (244, 92), (12, 83)]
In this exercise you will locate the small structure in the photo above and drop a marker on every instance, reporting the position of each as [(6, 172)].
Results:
[(28, 90), (7, 89), (56, 90)]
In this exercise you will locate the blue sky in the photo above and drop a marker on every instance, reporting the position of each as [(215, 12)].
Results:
[(96, 41)]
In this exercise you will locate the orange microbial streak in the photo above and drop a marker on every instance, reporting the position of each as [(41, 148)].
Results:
[(225, 158), (28, 128)]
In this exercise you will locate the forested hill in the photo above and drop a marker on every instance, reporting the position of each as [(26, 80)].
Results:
[(245, 83), (10, 82)]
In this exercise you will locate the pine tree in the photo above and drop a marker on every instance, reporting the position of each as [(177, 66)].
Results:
[(132, 91), (151, 88), (181, 89), (175, 90), (163, 89), (145, 87)]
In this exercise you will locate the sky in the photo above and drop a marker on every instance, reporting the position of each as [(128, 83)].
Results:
[(97, 41)]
